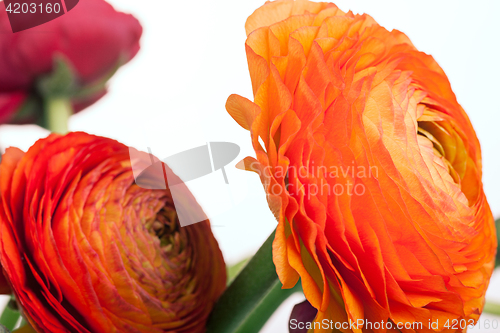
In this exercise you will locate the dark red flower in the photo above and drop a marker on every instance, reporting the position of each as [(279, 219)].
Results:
[(93, 39)]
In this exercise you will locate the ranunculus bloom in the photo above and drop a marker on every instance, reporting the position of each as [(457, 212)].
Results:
[(93, 37), (85, 249), (371, 167)]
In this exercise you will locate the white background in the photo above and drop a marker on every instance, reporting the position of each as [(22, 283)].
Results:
[(172, 95)]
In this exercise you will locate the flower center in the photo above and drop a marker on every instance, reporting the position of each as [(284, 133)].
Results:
[(450, 145), (165, 226)]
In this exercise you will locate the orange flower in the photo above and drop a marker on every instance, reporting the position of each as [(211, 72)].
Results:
[(87, 250), (371, 167)]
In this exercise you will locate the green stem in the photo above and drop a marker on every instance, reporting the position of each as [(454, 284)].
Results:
[(492, 308), (9, 317), (58, 111), (252, 297)]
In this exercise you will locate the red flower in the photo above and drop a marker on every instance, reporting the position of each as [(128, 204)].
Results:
[(85, 249), (93, 38)]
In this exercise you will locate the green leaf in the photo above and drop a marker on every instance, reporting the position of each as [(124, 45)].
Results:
[(234, 270), (491, 308), (61, 82), (252, 297), (96, 87), (10, 315)]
